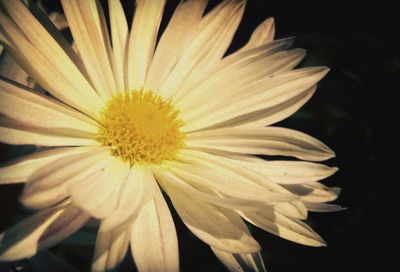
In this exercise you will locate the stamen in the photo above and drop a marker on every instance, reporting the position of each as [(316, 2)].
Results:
[(140, 127)]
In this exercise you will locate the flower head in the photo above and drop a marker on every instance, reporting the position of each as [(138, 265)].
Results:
[(127, 120)]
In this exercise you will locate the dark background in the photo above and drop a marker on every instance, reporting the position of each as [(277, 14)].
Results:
[(349, 113)]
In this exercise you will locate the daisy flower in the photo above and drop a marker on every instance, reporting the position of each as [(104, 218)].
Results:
[(125, 120)]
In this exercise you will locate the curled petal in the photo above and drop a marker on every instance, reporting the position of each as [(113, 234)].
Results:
[(40, 231)]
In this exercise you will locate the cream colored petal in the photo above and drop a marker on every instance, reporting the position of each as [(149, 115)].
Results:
[(47, 186), (51, 44), (321, 207), (269, 115), (263, 34), (87, 23), (153, 240), (137, 189), (37, 110), (142, 41), (218, 227), (290, 229), (228, 65), (21, 169), (9, 68), (97, 193), (236, 170), (266, 141), (232, 168), (18, 134), (111, 248), (228, 184), (48, 73), (53, 24), (214, 36), (248, 75), (275, 90), (240, 262), (119, 36), (40, 231), (292, 209), (197, 190), (182, 27), (313, 192), (287, 172), (292, 172)]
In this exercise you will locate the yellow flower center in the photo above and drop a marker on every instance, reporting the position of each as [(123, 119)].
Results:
[(140, 127)]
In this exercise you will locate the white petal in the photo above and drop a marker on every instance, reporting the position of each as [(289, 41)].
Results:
[(292, 209), (40, 231), (205, 194), (229, 184), (218, 227), (182, 27), (287, 172), (87, 23), (321, 207), (137, 189), (249, 75), (232, 168), (21, 169), (61, 78), (53, 24), (34, 109), (18, 134), (290, 229), (273, 91), (119, 35), (111, 248), (266, 141), (269, 115), (9, 68), (227, 66), (264, 33), (142, 41), (236, 170), (98, 193), (241, 262), (47, 186), (154, 243), (214, 36), (313, 192)]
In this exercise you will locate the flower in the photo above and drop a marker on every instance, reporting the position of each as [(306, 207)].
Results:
[(127, 120)]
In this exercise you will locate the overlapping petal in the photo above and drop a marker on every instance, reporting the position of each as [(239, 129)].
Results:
[(47, 185), (142, 41), (21, 169), (111, 247), (97, 193), (274, 141), (47, 59), (154, 243), (207, 48), (220, 228), (240, 262), (183, 25), (34, 109), (88, 26), (40, 231)]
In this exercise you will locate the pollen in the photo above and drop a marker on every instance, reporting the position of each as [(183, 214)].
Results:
[(141, 127)]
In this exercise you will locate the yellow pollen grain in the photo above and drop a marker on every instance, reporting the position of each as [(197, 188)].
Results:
[(140, 127)]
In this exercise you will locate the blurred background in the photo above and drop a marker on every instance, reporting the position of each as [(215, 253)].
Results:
[(349, 113)]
